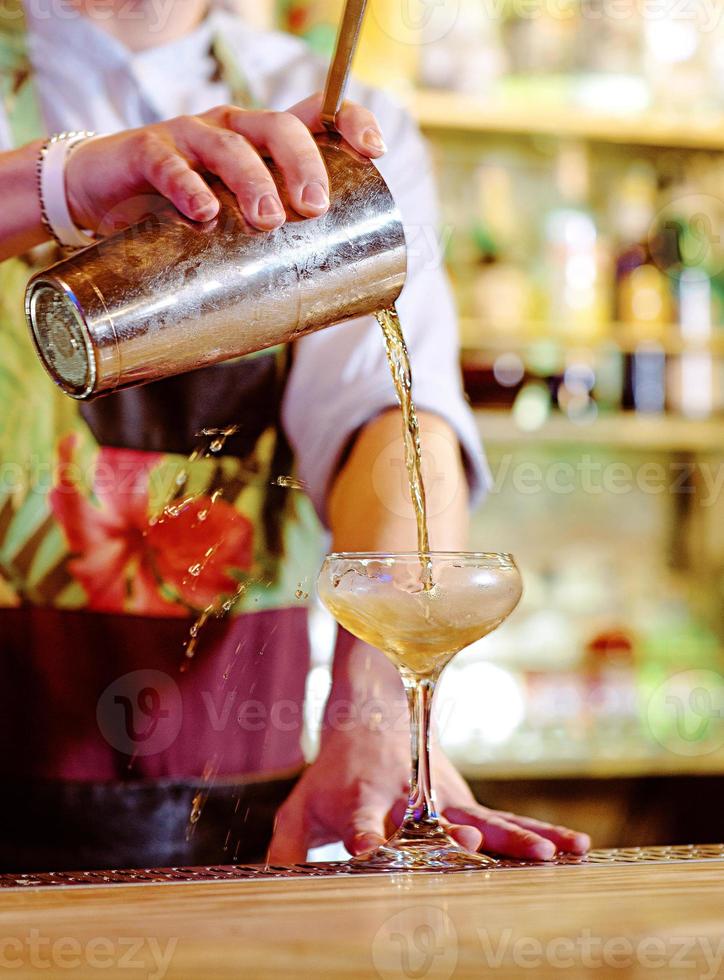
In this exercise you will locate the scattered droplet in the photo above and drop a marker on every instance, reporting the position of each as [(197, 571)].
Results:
[(196, 807), (290, 482)]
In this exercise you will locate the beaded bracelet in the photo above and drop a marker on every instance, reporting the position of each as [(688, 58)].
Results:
[(50, 173)]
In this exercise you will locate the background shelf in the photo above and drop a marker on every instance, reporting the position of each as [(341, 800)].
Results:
[(626, 337), (440, 111), (665, 433), (596, 767)]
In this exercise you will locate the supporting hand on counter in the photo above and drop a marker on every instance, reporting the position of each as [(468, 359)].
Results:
[(356, 792)]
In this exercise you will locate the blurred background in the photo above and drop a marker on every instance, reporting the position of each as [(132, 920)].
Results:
[(578, 147)]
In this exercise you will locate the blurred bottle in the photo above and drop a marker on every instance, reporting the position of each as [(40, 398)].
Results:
[(642, 292), (542, 39), (609, 377), (608, 43), (466, 55), (645, 378), (691, 374), (689, 251), (501, 286), (611, 691), (576, 257)]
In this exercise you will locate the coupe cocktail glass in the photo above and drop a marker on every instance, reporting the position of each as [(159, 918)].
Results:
[(387, 600)]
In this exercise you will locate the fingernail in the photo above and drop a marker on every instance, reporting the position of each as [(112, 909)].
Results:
[(269, 207), (315, 196), (544, 851), (203, 203), (372, 139)]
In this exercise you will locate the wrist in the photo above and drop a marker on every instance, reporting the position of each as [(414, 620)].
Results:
[(366, 696), (360, 671), (52, 189), (22, 179), (75, 188)]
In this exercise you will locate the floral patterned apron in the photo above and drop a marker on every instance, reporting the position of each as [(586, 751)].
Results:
[(112, 545)]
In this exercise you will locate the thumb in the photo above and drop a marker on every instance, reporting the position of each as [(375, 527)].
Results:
[(365, 829), (289, 843)]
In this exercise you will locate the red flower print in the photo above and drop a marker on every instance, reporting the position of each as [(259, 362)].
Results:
[(122, 558)]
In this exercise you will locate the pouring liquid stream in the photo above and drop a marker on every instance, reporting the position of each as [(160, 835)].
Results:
[(399, 361)]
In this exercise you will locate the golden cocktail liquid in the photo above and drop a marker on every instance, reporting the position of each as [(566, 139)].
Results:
[(420, 632), (399, 361)]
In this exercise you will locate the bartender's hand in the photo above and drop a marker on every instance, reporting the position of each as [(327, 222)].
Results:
[(356, 792), (105, 175)]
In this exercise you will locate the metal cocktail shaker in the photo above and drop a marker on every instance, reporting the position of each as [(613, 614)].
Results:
[(169, 295)]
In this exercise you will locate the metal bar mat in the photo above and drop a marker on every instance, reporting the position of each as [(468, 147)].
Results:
[(332, 869)]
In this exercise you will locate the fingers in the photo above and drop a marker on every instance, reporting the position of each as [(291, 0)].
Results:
[(365, 830), (468, 837), (356, 124), (232, 157), (567, 840), (502, 836), (160, 163), (290, 144), (397, 813), (228, 141), (466, 834), (289, 844)]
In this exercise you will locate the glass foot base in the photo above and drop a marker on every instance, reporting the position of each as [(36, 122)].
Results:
[(437, 852)]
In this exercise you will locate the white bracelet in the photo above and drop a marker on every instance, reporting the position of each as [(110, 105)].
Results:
[(54, 208)]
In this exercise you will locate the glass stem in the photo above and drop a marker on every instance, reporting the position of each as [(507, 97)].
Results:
[(421, 805)]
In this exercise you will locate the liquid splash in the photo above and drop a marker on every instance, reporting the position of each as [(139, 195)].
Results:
[(290, 482), (208, 777), (212, 442), (216, 610)]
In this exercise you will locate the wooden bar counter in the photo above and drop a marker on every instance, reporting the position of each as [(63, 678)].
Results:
[(633, 913)]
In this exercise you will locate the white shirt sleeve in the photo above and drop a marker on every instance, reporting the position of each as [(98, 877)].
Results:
[(340, 379)]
